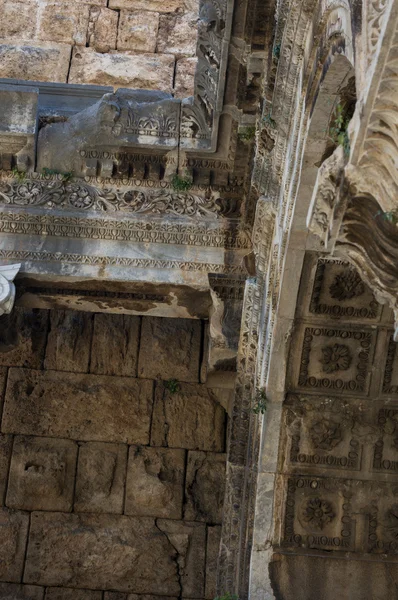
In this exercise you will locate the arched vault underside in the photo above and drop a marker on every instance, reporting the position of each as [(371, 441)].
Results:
[(241, 206)]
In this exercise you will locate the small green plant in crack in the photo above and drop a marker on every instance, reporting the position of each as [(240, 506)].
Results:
[(391, 216), (339, 129), (181, 184), (65, 176), (172, 386), (268, 120), (227, 596), (276, 52), (247, 134), (260, 402), (18, 175)]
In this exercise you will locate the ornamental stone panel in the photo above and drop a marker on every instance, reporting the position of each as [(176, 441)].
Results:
[(155, 480), (100, 478), (101, 552), (189, 418), (42, 474), (81, 407)]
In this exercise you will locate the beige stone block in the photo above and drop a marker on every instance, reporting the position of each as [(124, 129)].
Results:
[(69, 341), (42, 474), (189, 540), (205, 487), (138, 31), (155, 481), (102, 31), (37, 61), (163, 6), (178, 34), (14, 591), (170, 349), (101, 552), (146, 71), (185, 77), (100, 477), (189, 418), (191, 6), (57, 593), (18, 19), (81, 407), (14, 530), (212, 552), (5, 455), (115, 345), (23, 336), (63, 22)]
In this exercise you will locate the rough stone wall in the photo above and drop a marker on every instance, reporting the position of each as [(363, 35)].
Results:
[(111, 479), (147, 44)]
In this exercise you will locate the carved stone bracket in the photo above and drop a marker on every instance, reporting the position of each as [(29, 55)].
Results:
[(7, 287)]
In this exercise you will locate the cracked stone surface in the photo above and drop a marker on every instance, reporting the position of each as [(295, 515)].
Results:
[(100, 477), (188, 539), (14, 530), (188, 418), (69, 340), (23, 338), (170, 349), (80, 407), (42, 474), (155, 479), (205, 487), (115, 345), (101, 552)]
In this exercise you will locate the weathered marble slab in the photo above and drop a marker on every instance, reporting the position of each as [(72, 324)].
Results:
[(81, 407)]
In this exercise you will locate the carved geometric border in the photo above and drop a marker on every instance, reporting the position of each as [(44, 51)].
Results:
[(387, 388)]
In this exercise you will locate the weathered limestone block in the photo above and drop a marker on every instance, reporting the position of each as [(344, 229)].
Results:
[(38, 61), (115, 345), (100, 477), (18, 126), (138, 31), (5, 454), (63, 22), (81, 407), (164, 6), (18, 19), (42, 474), (102, 31), (101, 552), (155, 480), (189, 540), (189, 418), (170, 349), (138, 71), (14, 591), (185, 77), (205, 487), (23, 336), (212, 552), (69, 341), (122, 596), (178, 34), (14, 530), (57, 593)]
